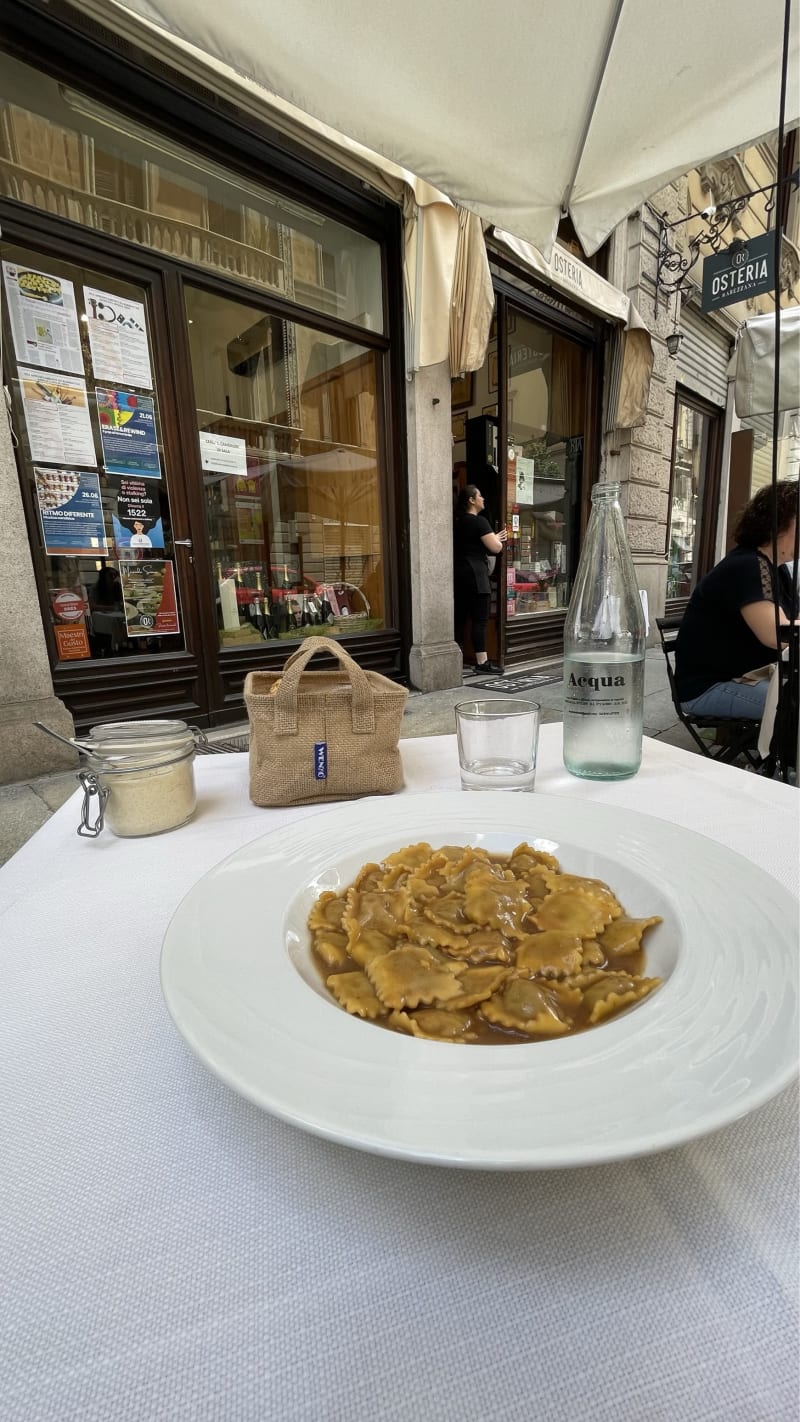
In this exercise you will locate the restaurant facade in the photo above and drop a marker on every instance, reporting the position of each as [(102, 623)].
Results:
[(204, 371), (220, 442), (245, 383)]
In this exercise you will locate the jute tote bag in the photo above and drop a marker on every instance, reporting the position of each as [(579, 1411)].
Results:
[(323, 735)]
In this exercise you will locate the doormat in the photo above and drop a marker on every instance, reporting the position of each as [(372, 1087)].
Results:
[(236, 744), (514, 682)]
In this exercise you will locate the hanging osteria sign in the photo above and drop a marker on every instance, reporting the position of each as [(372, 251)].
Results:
[(743, 270)]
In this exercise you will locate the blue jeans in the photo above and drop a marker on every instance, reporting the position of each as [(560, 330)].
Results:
[(731, 701)]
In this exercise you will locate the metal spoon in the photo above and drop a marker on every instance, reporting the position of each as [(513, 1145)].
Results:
[(68, 741)]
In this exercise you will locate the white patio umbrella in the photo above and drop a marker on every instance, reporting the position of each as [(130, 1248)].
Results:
[(523, 109)]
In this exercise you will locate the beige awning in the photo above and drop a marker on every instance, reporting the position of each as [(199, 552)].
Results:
[(518, 111), (472, 301), (568, 274), (631, 357), (448, 290)]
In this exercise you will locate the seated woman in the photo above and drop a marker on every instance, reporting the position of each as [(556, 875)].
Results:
[(728, 628)]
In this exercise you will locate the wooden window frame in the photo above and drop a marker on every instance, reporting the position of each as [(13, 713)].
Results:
[(709, 508)]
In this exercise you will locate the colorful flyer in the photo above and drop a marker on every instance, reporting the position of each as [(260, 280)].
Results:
[(71, 511), (151, 604), (223, 454), (57, 418), (135, 514), (117, 338), (44, 319), (69, 624), (128, 433)]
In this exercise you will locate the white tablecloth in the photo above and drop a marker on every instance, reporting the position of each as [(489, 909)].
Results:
[(167, 1251)]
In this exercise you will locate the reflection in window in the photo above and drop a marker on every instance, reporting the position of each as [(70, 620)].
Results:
[(688, 477), (547, 387), (67, 154), (286, 421)]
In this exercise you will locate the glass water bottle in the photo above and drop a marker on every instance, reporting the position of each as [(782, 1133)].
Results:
[(604, 647)]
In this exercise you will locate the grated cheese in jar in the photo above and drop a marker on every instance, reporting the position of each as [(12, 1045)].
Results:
[(148, 772), (151, 800)]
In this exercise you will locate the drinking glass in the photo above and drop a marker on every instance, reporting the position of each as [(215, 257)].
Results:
[(497, 743)]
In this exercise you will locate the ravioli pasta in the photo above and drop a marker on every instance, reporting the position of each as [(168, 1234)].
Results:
[(457, 945)]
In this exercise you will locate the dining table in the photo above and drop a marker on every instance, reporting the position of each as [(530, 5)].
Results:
[(171, 1251)]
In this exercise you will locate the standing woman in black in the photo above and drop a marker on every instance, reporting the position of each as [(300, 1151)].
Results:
[(473, 541)]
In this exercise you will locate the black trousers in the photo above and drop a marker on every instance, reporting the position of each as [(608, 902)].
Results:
[(471, 606)]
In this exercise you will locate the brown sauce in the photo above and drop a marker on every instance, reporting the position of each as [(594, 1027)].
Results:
[(457, 910)]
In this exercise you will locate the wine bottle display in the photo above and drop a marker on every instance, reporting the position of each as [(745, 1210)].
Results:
[(604, 647)]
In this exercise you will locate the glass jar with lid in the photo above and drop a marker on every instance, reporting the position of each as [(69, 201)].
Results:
[(143, 775)]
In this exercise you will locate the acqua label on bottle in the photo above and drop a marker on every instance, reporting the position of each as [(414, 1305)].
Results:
[(603, 714), (594, 683)]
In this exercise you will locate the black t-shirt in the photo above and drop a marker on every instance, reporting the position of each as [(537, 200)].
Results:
[(714, 642), (469, 553)]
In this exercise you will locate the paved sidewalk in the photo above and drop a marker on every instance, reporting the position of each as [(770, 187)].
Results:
[(26, 806)]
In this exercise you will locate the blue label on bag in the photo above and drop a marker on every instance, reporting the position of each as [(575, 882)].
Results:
[(321, 760)]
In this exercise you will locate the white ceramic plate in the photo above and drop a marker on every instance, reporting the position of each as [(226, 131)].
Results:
[(718, 1039)]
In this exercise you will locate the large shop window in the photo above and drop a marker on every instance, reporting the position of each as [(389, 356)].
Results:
[(547, 383), (63, 152), (692, 475), (88, 424), (286, 419)]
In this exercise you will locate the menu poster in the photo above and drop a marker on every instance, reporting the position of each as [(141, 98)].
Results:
[(223, 454), (71, 511), (69, 624), (117, 338), (524, 480), (57, 418), (249, 521), (44, 320), (128, 434), (151, 604), (135, 514), (249, 516)]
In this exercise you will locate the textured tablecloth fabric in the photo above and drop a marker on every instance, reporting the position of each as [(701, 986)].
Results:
[(170, 1251)]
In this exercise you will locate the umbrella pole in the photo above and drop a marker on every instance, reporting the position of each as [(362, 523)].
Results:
[(784, 748)]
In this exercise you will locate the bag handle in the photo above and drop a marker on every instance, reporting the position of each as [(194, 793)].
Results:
[(363, 709)]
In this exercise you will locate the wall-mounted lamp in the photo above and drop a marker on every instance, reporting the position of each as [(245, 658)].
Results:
[(674, 340)]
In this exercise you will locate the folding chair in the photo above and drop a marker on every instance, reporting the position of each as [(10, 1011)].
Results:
[(732, 737)]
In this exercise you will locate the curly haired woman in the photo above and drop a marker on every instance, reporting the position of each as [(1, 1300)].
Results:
[(728, 628)]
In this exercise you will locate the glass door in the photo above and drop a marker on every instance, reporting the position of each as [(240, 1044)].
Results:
[(547, 382), (102, 483)]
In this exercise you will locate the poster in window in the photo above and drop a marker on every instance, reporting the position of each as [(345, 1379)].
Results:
[(68, 607), (56, 409), (223, 454), (135, 514), (71, 512), (128, 433), (249, 521), (117, 330), (523, 475), (44, 319), (151, 604)]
